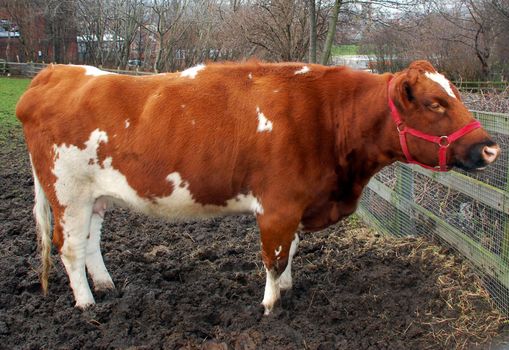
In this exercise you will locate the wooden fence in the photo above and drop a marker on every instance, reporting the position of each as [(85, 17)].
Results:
[(391, 205), (477, 86), (31, 69)]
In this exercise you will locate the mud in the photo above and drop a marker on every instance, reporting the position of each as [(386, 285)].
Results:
[(199, 284)]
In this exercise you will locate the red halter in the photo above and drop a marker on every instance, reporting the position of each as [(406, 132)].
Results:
[(442, 141)]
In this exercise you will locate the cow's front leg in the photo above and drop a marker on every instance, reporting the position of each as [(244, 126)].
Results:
[(279, 244), (285, 280)]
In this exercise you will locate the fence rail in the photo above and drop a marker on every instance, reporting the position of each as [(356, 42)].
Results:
[(477, 86), (31, 69)]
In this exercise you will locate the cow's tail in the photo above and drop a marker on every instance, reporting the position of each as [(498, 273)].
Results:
[(42, 214)]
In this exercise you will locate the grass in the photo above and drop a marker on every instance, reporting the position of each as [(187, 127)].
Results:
[(342, 50), (10, 91)]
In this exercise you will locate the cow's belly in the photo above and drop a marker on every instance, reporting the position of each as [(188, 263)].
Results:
[(81, 178)]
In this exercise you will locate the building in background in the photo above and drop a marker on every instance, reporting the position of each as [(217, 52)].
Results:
[(28, 35)]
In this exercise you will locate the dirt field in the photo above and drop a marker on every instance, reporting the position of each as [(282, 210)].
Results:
[(199, 284)]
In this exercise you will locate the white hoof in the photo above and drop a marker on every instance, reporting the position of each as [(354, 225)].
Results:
[(104, 285), (85, 304), (268, 309)]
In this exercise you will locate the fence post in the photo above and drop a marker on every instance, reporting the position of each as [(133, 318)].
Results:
[(505, 240)]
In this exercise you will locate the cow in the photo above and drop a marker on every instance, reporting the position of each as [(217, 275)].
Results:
[(292, 143)]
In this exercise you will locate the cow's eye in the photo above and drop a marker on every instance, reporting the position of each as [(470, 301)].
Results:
[(436, 107)]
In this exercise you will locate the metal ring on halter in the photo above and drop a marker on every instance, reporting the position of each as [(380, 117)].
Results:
[(441, 141), (400, 127)]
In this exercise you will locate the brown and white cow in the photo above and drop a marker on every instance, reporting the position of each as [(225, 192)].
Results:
[(292, 143)]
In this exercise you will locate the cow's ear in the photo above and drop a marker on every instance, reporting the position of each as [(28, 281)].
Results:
[(422, 66), (404, 88)]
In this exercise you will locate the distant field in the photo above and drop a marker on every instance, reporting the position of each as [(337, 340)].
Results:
[(342, 50), (10, 91)]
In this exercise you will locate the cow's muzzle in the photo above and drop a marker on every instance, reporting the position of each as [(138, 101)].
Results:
[(480, 155)]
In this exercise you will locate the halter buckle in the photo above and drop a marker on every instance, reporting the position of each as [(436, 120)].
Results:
[(444, 141)]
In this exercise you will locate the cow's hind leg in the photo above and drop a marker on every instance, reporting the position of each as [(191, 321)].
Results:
[(94, 259), (278, 238), (75, 226)]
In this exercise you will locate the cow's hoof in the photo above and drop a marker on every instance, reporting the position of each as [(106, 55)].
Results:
[(268, 306), (267, 309), (85, 305), (104, 286)]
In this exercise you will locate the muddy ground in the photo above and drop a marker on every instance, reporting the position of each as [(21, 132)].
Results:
[(199, 284)]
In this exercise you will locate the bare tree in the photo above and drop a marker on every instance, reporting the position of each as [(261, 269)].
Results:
[(331, 33), (475, 29), (279, 27), (124, 26), (312, 31), (60, 22), (164, 17), (92, 23)]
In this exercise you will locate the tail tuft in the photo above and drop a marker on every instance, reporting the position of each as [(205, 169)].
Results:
[(42, 214)]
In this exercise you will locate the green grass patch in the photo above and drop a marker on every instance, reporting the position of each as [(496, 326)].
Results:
[(10, 91), (342, 50)]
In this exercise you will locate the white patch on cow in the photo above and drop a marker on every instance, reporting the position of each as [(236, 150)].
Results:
[(272, 291), (79, 174), (193, 122), (127, 123), (303, 70), (263, 123), (93, 71), (285, 280), (107, 162), (442, 81), (183, 106), (276, 90), (181, 203), (74, 168), (193, 71), (250, 75), (257, 207), (278, 250)]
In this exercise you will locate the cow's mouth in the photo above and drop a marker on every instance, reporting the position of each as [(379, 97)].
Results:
[(479, 156)]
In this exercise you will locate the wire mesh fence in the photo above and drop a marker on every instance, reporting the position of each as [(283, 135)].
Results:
[(468, 211)]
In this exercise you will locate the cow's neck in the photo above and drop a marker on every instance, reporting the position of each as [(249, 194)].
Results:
[(366, 139)]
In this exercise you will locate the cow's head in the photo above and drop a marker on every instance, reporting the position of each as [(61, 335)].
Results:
[(433, 122)]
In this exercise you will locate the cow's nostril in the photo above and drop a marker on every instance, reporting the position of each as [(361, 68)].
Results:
[(490, 153)]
